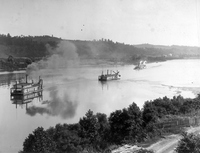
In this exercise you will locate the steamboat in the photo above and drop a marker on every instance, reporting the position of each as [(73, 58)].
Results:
[(24, 92), (141, 65), (109, 76)]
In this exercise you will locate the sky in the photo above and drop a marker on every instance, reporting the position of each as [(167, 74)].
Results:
[(158, 22)]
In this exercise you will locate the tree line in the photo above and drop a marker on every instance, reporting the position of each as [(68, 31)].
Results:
[(37, 46), (97, 132), (27, 46)]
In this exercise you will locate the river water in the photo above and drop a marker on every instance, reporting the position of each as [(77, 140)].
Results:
[(69, 93)]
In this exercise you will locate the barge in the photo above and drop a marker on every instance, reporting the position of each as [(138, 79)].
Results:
[(25, 91), (109, 76)]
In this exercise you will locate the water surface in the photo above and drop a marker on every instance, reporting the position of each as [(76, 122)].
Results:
[(69, 93)]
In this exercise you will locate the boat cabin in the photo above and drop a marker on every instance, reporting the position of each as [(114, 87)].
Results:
[(25, 90)]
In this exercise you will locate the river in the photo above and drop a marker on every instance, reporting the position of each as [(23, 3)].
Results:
[(69, 93)]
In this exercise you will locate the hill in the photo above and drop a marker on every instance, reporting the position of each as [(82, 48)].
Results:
[(36, 47)]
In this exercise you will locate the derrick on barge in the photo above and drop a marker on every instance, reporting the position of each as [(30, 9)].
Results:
[(109, 76), (25, 91)]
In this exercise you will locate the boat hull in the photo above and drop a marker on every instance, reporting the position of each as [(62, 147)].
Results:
[(25, 91), (108, 77)]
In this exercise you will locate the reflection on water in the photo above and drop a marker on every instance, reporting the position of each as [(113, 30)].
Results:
[(55, 106), (104, 85), (69, 94), (23, 92), (20, 100), (6, 79)]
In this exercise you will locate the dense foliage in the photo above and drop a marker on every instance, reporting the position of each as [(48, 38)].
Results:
[(40, 142), (126, 124), (29, 46), (96, 132), (145, 151), (189, 143), (41, 46)]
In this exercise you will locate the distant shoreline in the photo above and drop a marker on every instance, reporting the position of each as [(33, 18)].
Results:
[(8, 72)]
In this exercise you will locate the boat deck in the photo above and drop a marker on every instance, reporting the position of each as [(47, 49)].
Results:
[(25, 88), (109, 76)]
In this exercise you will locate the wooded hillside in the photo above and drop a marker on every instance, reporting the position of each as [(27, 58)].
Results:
[(38, 46)]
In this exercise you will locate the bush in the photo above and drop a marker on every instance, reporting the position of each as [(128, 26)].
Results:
[(190, 143), (145, 151), (39, 142)]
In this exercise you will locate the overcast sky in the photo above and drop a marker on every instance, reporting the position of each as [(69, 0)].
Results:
[(159, 22)]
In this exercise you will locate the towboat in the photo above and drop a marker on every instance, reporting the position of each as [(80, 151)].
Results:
[(25, 91), (141, 65), (109, 76)]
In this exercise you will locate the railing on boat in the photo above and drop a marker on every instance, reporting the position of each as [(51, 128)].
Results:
[(27, 90), (26, 96)]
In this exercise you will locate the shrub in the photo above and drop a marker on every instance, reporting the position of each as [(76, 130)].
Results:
[(189, 143)]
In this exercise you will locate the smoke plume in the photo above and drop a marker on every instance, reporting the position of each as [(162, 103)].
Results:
[(63, 57), (56, 106)]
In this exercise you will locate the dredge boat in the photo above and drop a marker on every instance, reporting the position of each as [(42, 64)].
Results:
[(109, 76), (141, 65), (25, 92)]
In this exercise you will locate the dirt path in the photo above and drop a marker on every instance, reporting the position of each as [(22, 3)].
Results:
[(168, 144), (165, 145)]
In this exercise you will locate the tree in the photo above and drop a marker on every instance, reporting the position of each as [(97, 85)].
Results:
[(69, 142), (126, 124), (188, 106), (149, 113), (119, 125), (177, 103), (39, 142), (135, 121), (8, 35), (9, 39), (66, 138), (89, 128), (145, 151), (103, 130), (190, 143)]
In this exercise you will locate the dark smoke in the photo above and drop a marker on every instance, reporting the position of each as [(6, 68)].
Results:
[(56, 106), (63, 57), (64, 61)]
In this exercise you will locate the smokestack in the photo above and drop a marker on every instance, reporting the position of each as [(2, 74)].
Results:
[(26, 78)]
